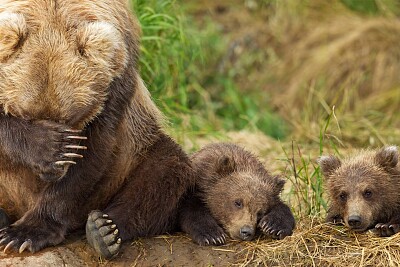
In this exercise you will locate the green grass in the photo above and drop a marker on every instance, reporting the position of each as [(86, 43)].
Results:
[(180, 65), (307, 193), (373, 7)]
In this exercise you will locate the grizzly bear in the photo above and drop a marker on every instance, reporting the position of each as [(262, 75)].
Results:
[(364, 190), (79, 132), (234, 194)]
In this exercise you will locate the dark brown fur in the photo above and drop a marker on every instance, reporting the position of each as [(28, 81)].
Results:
[(364, 190), (235, 191), (73, 65)]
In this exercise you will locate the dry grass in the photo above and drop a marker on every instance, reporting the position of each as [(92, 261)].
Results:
[(314, 243), (319, 244), (329, 56)]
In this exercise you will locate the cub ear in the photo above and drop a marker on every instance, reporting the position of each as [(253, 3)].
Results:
[(387, 157), (13, 31), (103, 44), (225, 165), (328, 164)]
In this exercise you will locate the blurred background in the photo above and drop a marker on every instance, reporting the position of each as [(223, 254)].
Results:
[(288, 79)]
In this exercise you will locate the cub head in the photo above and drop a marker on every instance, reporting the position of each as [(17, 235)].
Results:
[(237, 188), (363, 189), (56, 63)]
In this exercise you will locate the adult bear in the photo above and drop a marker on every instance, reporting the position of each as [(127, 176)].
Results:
[(78, 130)]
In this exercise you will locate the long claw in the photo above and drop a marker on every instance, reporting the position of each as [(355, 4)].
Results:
[(75, 147), (24, 245), (2, 241), (9, 245), (72, 155), (64, 162), (76, 137)]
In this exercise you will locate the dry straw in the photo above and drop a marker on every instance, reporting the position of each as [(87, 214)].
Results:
[(321, 244)]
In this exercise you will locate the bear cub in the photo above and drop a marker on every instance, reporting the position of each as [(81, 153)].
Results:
[(364, 190), (234, 194)]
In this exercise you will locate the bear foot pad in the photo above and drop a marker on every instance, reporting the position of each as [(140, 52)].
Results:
[(102, 234)]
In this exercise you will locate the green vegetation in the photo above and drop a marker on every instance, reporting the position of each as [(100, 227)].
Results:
[(320, 76), (323, 74), (180, 64)]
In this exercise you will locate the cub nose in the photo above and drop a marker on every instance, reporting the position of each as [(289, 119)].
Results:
[(354, 221), (246, 232)]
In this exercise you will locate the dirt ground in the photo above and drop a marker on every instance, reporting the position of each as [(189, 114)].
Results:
[(166, 250), (177, 250)]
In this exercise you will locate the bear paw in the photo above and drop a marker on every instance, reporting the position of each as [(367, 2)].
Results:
[(102, 234), (274, 228), (386, 229), (52, 148), (31, 236), (213, 238), (4, 220)]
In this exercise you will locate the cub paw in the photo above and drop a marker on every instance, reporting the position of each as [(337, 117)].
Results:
[(273, 228), (102, 234), (4, 220), (214, 236), (55, 147), (386, 229)]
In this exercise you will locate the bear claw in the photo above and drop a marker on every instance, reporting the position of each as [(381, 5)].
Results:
[(274, 230), (212, 241), (386, 229), (102, 234)]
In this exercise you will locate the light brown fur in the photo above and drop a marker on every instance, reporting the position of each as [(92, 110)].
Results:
[(72, 65), (239, 193), (79, 43), (364, 188)]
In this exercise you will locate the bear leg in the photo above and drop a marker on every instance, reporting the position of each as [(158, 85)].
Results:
[(148, 202), (196, 220), (278, 223), (102, 234)]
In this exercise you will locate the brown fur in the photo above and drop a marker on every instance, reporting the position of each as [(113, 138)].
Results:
[(364, 190), (240, 193), (72, 64)]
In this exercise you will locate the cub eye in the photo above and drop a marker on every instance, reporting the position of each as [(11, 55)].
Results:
[(238, 203), (367, 193), (343, 196)]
